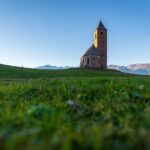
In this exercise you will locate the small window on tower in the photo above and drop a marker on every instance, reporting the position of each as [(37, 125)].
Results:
[(101, 33)]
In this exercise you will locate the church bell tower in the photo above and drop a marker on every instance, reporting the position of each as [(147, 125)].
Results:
[(100, 42)]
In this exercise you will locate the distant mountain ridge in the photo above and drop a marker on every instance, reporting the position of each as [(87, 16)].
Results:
[(49, 67), (141, 69)]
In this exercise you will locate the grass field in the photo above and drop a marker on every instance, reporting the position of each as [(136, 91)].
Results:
[(73, 109), (20, 73)]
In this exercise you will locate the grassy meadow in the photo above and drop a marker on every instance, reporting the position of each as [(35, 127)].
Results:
[(73, 109)]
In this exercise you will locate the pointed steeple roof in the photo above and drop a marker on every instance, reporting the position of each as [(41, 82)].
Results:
[(101, 26)]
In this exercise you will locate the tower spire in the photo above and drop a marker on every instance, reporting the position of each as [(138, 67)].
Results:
[(100, 25)]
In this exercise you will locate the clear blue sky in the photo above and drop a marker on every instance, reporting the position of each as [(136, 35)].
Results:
[(57, 32)]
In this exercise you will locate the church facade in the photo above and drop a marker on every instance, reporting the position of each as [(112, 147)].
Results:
[(96, 56)]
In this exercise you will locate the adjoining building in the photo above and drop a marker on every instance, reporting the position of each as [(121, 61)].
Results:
[(96, 56)]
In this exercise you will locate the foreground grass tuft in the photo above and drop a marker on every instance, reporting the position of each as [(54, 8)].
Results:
[(76, 113)]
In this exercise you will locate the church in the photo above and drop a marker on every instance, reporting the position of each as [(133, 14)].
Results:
[(96, 56)]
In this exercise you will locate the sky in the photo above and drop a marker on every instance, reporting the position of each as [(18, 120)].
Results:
[(58, 32)]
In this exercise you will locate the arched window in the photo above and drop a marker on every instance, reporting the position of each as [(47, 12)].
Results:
[(101, 33), (88, 61)]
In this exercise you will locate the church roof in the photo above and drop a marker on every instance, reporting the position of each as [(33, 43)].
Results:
[(92, 51), (101, 26)]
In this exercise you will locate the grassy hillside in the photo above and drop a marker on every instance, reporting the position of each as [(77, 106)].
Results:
[(17, 72), (98, 110)]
